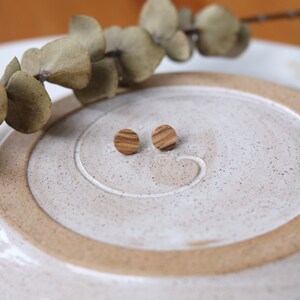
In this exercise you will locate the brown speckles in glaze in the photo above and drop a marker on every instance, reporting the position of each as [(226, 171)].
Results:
[(171, 171)]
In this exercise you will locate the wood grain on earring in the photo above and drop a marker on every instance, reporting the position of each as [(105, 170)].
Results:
[(164, 137), (127, 141)]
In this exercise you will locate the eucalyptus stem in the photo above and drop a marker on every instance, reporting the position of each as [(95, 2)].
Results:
[(113, 53), (290, 14), (192, 31), (41, 76)]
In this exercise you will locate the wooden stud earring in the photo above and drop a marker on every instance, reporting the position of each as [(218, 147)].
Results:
[(164, 137), (127, 141)]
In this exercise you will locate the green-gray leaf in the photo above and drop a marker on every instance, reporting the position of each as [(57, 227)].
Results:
[(31, 62), (66, 62), (104, 82), (11, 68), (135, 52), (29, 105), (218, 30), (3, 103), (88, 31), (178, 47), (242, 42), (159, 17), (139, 56), (112, 37), (185, 18)]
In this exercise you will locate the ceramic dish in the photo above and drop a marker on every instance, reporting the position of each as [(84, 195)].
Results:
[(218, 216)]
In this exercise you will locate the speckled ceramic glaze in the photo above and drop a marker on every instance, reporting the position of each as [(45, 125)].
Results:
[(226, 199), (236, 152)]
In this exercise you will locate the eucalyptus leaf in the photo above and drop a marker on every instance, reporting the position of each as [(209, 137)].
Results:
[(178, 47), (242, 42), (66, 62), (88, 31), (185, 18), (104, 82), (160, 18), (139, 56), (3, 103), (112, 37), (31, 62), (29, 105), (218, 30), (135, 53), (11, 68)]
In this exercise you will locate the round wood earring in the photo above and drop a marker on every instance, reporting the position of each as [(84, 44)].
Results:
[(164, 137), (127, 141)]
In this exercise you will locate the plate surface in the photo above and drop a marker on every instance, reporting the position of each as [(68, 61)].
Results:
[(225, 200)]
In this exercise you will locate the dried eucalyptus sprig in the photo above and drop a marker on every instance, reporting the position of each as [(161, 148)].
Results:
[(104, 75), (131, 56), (104, 82), (89, 33), (218, 30), (93, 62), (65, 62), (28, 105), (215, 30), (136, 54), (160, 18)]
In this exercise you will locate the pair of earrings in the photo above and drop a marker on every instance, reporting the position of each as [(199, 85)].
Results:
[(127, 141)]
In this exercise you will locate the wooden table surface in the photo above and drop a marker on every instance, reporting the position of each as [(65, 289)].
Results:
[(32, 18)]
